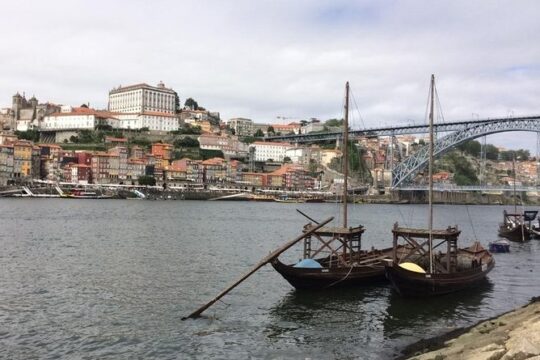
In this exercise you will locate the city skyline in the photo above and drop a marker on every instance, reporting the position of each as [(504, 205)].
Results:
[(267, 60)]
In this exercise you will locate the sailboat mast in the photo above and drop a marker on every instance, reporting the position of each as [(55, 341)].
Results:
[(430, 195), (514, 182), (345, 154)]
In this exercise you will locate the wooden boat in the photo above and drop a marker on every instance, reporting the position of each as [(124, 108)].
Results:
[(333, 256), (535, 230), (421, 272), (514, 228), (347, 265), (499, 246), (457, 269)]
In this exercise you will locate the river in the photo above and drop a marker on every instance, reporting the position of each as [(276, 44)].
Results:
[(111, 279)]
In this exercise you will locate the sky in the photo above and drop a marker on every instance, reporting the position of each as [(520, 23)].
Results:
[(279, 61)]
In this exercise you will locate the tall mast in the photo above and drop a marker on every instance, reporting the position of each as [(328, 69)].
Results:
[(514, 182), (345, 153), (430, 226)]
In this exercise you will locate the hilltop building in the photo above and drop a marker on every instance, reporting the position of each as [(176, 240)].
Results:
[(69, 120), (25, 114), (241, 126), (144, 106)]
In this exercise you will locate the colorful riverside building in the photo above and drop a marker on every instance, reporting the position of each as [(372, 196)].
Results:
[(19, 162), (289, 176)]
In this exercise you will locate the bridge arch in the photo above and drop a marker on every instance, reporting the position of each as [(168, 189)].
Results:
[(408, 168)]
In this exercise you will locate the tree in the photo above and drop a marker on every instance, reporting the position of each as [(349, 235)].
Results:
[(248, 139), (286, 159), (334, 122), (32, 135), (472, 148), (209, 154), (523, 155), (146, 180), (186, 142), (270, 130), (176, 103), (192, 104), (492, 153), (259, 133)]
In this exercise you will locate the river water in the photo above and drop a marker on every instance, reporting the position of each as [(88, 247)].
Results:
[(111, 279)]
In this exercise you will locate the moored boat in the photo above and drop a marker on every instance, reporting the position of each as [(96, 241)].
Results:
[(333, 256), (83, 194), (517, 227), (499, 246), (422, 272)]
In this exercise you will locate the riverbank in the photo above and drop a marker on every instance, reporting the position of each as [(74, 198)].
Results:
[(513, 335), (250, 194)]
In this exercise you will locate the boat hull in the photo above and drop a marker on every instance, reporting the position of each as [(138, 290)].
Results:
[(500, 246), (343, 276), (411, 284), (518, 233)]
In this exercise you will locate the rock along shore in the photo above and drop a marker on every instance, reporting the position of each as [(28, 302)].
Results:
[(512, 336)]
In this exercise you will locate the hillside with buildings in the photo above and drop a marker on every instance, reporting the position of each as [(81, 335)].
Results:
[(145, 133)]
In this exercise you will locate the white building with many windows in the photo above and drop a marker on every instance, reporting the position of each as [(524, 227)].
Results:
[(145, 106), (77, 118), (275, 151)]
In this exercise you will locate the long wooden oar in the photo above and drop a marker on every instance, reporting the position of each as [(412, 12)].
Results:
[(263, 262)]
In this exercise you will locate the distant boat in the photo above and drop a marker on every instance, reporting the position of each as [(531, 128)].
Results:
[(514, 228), (422, 272), (291, 200), (83, 194), (499, 246)]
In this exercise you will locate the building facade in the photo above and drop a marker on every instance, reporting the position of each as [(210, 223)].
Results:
[(241, 126), (274, 151), (144, 106)]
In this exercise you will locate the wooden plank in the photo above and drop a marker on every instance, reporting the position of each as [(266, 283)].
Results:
[(261, 263)]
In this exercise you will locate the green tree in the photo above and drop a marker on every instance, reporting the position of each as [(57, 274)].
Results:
[(176, 103), (270, 130), (209, 154), (259, 133), (144, 142), (523, 155), (87, 137), (248, 139), (147, 180), (286, 159), (32, 135), (492, 153), (471, 147), (334, 122), (192, 104), (186, 142)]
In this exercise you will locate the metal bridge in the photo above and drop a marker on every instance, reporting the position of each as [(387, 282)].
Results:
[(398, 130), (480, 188), (459, 132), (408, 168)]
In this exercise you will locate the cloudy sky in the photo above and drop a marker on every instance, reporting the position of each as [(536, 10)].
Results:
[(269, 59)]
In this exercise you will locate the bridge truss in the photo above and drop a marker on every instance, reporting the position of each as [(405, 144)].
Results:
[(405, 171)]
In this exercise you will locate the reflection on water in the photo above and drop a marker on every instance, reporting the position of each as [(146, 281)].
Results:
[(410, 317)]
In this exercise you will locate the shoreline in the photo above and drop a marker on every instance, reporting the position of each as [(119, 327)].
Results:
[(511, 335)]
